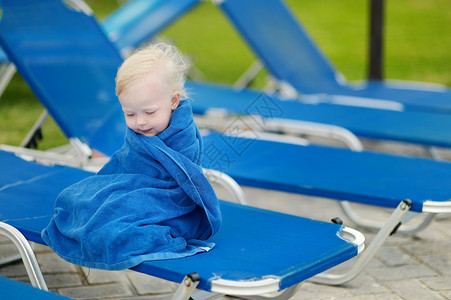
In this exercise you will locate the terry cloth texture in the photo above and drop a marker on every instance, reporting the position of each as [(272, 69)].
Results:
[(151, 201)]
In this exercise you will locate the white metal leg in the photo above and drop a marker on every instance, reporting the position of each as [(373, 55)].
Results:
[(36, 126), (228, 183), (249, 75), (13, 258), (10, 259), (7, 71), (364, 258), (186, 287), (315, 129), (376, 225), (26, 253)]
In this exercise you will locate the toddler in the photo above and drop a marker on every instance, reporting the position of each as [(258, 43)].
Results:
[(151, 200)]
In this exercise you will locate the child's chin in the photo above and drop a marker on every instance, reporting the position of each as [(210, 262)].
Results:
[(150, 133)]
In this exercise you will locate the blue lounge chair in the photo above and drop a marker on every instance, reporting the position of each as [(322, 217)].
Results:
[(421, 128), (89, 111), (292, 57), (252, 256), (365, 177)]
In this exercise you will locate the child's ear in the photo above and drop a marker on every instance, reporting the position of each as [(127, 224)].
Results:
[(175, 101)]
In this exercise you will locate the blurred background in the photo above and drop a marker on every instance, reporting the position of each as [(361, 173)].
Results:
[(417, 46)]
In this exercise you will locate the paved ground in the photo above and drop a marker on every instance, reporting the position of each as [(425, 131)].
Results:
[(414, 267)]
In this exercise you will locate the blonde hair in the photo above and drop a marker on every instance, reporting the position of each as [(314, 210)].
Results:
[(155, 61)]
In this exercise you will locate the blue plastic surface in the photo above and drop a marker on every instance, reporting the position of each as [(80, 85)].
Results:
[(291, 55), (424, 128), (15, 290), (365, 177), (251, 244), (3, 57), (70, 60), (136, 21)]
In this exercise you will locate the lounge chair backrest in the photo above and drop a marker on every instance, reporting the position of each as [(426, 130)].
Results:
[(292, 57), (277, 37), (138, 20), (75, 39), (3, 57)]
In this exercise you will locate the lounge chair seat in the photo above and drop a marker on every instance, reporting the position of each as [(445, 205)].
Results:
[(257, 251), (365, 177)]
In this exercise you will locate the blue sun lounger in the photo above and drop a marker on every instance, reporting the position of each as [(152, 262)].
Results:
[(365, 177), (88, 110), (292, 57), (422, 128), (257, 251), (98, 60)]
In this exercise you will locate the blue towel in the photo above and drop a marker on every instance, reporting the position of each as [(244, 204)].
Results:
[(151, 201)]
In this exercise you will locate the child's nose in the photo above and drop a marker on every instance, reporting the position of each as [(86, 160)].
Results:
[(141, 120)]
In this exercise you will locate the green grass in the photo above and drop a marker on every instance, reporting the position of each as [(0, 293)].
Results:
[(417, 47)]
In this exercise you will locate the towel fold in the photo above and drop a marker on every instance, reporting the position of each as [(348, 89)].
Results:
[(150, 201)]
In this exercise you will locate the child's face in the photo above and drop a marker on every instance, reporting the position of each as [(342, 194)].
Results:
[(148, 108)]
